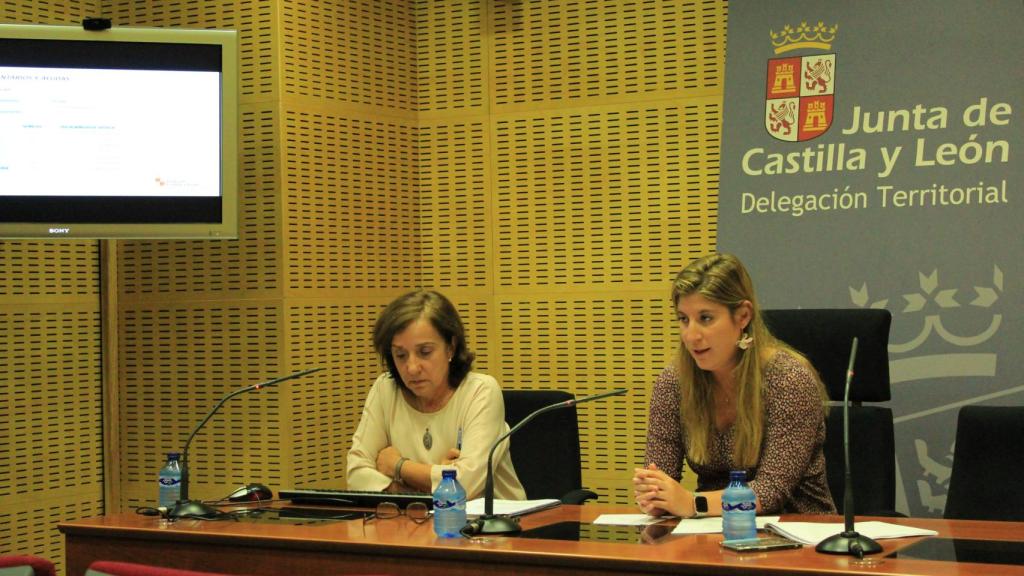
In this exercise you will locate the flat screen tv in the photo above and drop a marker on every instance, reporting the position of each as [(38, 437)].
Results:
[(118, 133)]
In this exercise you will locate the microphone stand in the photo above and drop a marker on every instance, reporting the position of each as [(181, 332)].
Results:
[(849, 541), (186, 508), (490, 523)]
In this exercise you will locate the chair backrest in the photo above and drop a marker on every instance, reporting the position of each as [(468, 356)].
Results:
[(988, 462), (825, 336), (109, 568), (24, 565), (545, 452)]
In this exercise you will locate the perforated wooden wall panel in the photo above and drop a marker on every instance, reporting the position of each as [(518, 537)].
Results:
[(33, 529), (350, 201), (178, 362), (548, 51), (589, 345), (252, 19), (198, 319), (51, 465), (604, 197), (454, 205), (357, 51), (325, 408), (22, 274), (451, 65)]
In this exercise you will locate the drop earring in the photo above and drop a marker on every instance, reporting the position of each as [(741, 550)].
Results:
[(745, 341)]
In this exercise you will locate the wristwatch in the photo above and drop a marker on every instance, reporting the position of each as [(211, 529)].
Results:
[(700, 506)]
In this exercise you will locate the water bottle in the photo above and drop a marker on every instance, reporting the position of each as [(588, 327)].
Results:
[(170, 480), (449, 506), (739, 508)]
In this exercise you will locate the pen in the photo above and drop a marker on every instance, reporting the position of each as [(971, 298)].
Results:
[(458, 440)]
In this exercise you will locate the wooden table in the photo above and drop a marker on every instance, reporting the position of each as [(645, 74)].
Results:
[(399, 546)]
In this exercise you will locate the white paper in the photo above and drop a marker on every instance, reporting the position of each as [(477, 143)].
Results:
[(627, 519), (511, 507), (815, 532), (713, 525)]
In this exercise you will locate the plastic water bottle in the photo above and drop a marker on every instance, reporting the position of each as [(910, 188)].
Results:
[(739, 508), (449, 506), (170, 480)]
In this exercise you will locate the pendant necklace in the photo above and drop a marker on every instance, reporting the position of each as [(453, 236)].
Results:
[(428, 440)]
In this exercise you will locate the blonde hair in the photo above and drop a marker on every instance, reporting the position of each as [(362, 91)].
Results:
[(722, 278)]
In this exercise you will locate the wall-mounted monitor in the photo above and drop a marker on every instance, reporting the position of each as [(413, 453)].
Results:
[(118, 133)]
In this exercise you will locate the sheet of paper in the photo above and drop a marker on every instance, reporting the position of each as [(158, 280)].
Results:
[(627, 519), (511, 507), (713, 525), (814, 532)]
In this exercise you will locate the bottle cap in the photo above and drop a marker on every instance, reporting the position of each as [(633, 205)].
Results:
[(174, 456), (738, 476), (448, 473)]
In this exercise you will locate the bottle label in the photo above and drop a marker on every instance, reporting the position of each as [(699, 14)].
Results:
[(444, 504), (747, 506), (167, 481)]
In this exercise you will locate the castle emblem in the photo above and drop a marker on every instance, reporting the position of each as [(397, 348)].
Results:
[(800, 95)]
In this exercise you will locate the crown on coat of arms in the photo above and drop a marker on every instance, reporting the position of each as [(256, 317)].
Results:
[(803, 36)]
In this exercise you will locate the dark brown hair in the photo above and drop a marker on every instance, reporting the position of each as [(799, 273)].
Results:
[(442, 315)]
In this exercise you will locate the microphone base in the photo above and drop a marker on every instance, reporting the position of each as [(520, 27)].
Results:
[(192, 509), (494, 525), (847, 543)]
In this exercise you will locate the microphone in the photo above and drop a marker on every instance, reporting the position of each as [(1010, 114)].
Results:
[(490, 523), (186, 508), (848, 541)]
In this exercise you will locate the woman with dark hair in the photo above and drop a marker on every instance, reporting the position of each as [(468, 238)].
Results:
[(736, 398), (429, 411)]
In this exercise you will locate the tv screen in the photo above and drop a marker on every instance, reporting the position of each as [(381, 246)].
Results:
[(118, 133)]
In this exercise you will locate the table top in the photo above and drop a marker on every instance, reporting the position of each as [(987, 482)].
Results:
[(399, 537)]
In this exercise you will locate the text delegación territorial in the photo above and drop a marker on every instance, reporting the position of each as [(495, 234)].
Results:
[(890, 197)]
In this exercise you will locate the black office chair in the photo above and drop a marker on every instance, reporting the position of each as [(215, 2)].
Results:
[(824, 336), (988, 462), (546, 452)]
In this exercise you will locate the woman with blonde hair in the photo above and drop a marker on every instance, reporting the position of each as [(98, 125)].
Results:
[(736, 398)]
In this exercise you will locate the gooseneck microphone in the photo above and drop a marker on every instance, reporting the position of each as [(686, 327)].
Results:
[(490, 523), (848, 541), (186, 508)]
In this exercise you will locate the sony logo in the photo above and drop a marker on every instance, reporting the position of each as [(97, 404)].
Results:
[(60, 230)]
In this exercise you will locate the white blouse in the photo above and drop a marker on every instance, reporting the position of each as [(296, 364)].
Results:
[(476, 407)]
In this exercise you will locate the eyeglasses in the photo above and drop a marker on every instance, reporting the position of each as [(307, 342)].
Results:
[(416, 511)]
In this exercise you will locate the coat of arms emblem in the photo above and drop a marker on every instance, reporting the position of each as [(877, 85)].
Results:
[(800, 95)]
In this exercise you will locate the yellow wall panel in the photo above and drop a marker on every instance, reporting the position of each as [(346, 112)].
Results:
[(454, 205), (451, 71), (360, 52), (350, 202), (177, 363), (325, 407), (32, 529), (51, 443), (588, 344), (547, 51), (23, 272), (252, 20), (605, 196)]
